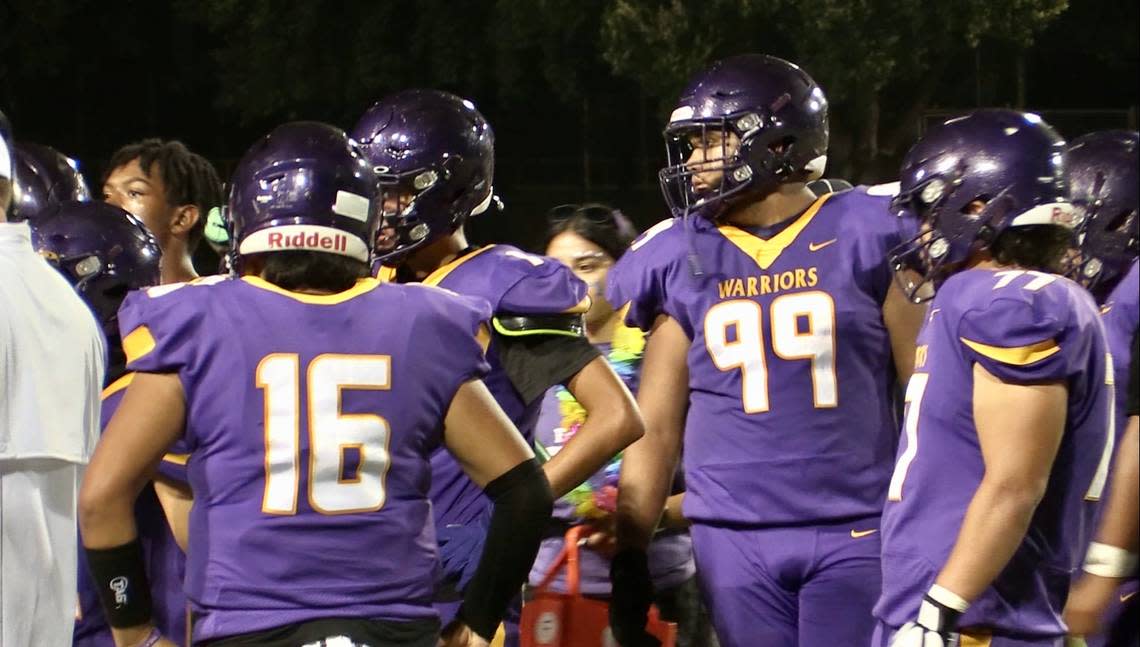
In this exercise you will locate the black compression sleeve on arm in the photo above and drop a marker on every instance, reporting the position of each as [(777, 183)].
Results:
[(535, 363), (1133, 386), (523, 503)]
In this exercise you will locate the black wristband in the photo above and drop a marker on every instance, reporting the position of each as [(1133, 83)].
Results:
[(119, 574)]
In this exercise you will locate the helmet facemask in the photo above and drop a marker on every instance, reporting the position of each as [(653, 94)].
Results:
[(409, 198), (752, 152), (1106, 242)]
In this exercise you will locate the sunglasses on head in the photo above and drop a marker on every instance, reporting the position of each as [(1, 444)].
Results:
[(592, 212)]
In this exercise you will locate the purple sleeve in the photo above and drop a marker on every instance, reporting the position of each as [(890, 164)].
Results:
[(173, 464), (159, 330), (638, 281), (1017, 340), (878, 231), (549, 288), (457, 327)]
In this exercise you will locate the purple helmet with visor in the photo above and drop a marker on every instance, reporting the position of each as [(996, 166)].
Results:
[(767, 117), (434, 154), (102, 250), (968, 180), (1104, 179), (304, 186)]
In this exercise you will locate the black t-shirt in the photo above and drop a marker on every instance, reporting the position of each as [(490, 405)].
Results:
[(534, 363)]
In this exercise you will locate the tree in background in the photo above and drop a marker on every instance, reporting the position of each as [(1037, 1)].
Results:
[(860, 51)]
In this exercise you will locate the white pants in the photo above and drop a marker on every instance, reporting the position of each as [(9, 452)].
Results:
[(38, 551)]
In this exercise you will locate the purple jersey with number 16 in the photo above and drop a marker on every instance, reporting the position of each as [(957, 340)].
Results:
[(1022, 327), (791, 415), (310, 420)]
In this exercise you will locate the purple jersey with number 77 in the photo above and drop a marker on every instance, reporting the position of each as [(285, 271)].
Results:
[(1026, 328), (310, 420)]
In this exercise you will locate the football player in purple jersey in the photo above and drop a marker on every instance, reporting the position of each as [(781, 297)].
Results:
[(172, 190), (777, 340), (1103, 174), (434, 153), (1102, 606), (310, 397), (105, 252), (1008, 422), (45, 177)]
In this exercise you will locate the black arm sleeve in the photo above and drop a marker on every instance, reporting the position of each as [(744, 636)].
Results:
[(1133, 407), (523, 503), (534, 363)]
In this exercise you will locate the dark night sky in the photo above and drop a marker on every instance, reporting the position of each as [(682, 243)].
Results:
[(87, 77)]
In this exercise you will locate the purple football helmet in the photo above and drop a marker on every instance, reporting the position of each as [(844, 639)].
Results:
[(304, 186), (772, 107), (102, 250), (969, 179), (1104, 179), (45, 177), (435, 157)]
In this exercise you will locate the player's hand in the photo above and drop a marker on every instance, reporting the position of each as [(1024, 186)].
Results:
[(1090, 598), (936, 625), (458, 634), (632, 594), (602, 537)]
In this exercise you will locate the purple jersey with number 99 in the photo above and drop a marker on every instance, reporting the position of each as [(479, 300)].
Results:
[(791, 386)]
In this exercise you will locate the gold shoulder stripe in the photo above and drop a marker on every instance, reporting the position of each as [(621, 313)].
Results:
[(579, 308), (441, 273), (138, 343), (1018, 355), (118, 385), (386, 274), (177, 459), (483, 336), (361, 287), (973, 639)]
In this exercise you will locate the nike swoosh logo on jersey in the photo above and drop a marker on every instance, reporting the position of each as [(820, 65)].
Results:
[(856, 534), (815, 247), (1127, 596)]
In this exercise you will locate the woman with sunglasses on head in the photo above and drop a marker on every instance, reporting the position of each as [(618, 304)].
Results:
[(589, 239)]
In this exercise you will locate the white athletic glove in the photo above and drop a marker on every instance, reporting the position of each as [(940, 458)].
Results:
[(937, 622)]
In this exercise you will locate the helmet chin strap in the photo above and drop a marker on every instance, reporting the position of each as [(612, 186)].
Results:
[(485, 204), (814, 168)]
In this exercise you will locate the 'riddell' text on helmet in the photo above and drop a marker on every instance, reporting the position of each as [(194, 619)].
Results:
[(304, 186)]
